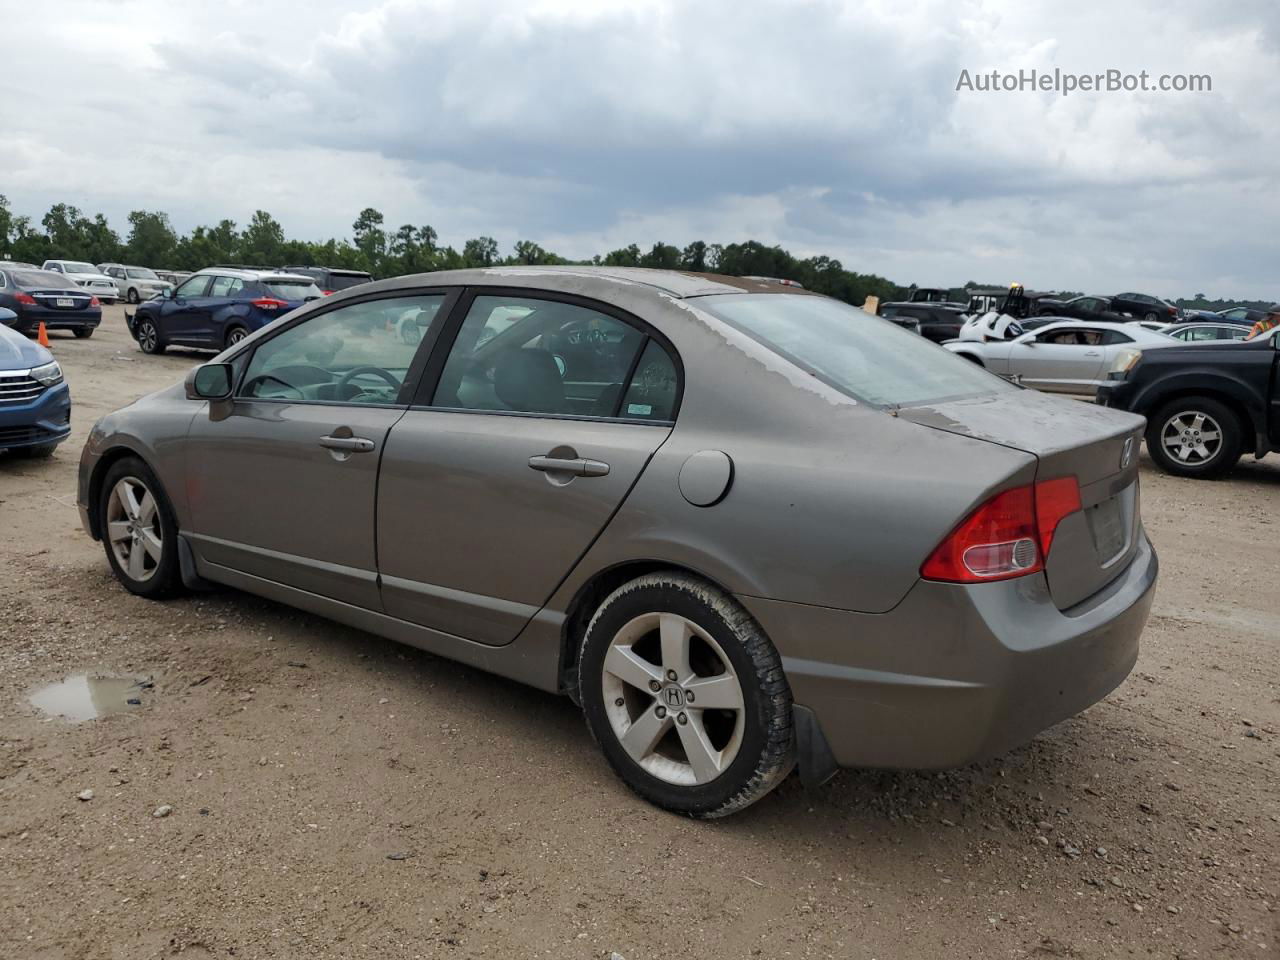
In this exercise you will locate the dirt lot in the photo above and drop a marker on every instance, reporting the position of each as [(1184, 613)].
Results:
[(334, 794)]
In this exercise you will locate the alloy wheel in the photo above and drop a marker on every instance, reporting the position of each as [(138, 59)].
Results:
[(673, 699), (1191, 437), (148, 337), (235, 336), (133, 529)]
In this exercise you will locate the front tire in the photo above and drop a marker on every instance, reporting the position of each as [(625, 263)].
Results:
[(1195, 437), (1151, 317), (686, 696), (132, 296), (138, 530), (149, 340)]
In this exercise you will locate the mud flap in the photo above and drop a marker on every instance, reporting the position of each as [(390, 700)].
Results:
[(813, 754), (187, 568)]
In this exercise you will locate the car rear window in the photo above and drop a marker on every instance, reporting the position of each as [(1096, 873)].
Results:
[(344, 281), (293, 289), (868, 358), (141, 273), (40, 278)]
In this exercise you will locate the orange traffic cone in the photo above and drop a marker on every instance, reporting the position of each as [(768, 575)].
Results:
[(42, 335)]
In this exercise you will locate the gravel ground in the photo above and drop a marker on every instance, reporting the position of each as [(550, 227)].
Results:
[(334, 794)]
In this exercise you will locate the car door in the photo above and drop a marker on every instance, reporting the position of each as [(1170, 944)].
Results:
[(1062, 360), (178, 316), (283, 477), (515, 456), (209, 325)]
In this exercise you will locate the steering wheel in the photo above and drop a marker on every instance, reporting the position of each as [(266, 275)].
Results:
[(354, 372)]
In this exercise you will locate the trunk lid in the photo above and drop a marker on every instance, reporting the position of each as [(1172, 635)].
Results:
[(1097, 446)]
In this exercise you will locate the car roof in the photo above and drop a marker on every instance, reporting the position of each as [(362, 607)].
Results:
[(1133, 329), (598, 279), (244, 274), (348, 271)]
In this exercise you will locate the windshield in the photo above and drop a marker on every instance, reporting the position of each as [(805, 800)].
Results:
[(863, 356), (141, 273), (41, 279), (75, 266), (293, 289), (344, 281)]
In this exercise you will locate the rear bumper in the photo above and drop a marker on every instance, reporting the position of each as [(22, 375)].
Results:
[(957, 674), (30, 317), (46, 419)]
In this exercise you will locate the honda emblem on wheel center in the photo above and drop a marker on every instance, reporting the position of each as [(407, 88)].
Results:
[(673, 696)]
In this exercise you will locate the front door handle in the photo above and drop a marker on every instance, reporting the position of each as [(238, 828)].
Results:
[(347, 444), (577, 468), (1092, 353)]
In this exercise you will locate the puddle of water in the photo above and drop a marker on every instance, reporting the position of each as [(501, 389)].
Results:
[(86, 697)]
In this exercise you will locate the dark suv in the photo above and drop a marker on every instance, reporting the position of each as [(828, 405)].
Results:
[(332, 279), (1206, 404), (218, 307), (928, 312)]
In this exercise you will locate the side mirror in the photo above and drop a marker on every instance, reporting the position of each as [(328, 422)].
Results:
[(166, 293), (211, 381), (7, 317)]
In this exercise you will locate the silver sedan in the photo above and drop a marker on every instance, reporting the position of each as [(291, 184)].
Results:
[(1065, 357), (747, 527)]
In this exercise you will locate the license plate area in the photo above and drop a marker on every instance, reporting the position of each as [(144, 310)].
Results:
[(1107, 524), (64, 302)]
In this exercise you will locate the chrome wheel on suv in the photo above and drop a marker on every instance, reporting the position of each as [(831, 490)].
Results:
[(1195, 437), (1191, 436)]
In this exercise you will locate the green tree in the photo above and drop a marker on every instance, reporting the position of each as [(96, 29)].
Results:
[(663, 256), (151, 242), (624, 257), (263, 240), (694, 257), (370, 238), (480, 252)]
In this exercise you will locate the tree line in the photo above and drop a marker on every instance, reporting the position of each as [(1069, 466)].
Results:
[(67, 233)]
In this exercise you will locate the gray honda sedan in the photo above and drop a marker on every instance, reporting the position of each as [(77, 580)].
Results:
[(746, 527)]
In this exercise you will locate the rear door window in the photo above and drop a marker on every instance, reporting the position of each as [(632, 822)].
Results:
[(226, 287)]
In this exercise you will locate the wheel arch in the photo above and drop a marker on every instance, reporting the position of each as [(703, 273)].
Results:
[(591, 594), (1251, 425), (106, 461)]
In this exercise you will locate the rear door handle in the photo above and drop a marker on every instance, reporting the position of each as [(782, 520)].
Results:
[(577, 468), (349, 444), (1092, 353)]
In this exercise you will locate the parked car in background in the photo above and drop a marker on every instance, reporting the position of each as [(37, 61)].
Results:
[(17, 264), (332, 279), (217, 308), (85, 275), (35, 404), (1246, 316), (1197, 331), (934, 320), (173, 277), (618, 527), (135, 284), (1066, 357), (1143, 307), (42, 296), (1092, 308), (1207, 403)]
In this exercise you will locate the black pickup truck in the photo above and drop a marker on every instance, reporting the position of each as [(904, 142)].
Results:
[(1206, 404), (928, 312)]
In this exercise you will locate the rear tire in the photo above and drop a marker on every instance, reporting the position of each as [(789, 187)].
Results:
[(1196, 437), (1151, 317), (132, 296), (716, 735), (148, 336), (235, 335), (83, 333), (138, 530)]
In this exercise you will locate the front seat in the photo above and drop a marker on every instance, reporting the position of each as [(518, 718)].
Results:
[(529, 381)]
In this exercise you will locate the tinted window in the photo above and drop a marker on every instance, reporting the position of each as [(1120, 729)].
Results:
[(654, 386), (1110, 337), (226, 286), (33, 279), (867, 358), (344, 281), (293, 289), (353, 354), (195, 287), (528, 355)]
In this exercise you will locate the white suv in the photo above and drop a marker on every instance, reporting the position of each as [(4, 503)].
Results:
[(87, 276)]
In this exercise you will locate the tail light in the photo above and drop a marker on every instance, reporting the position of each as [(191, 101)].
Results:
[(327, 293), (1008, 536), (25, 298), (269, 303), (95, 302)]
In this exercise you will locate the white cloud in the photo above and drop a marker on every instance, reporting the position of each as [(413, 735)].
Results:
[(823, 126)]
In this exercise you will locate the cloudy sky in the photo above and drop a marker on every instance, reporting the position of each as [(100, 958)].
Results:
[(826, 127)]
